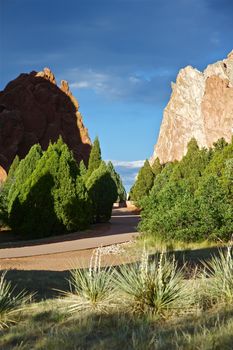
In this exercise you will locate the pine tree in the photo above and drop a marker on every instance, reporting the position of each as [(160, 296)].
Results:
[(53, 199), (157, 167), (116, 178), (95, 157), (144, 182), (82, 169), (23, 171), (103, 193), (13, 167)]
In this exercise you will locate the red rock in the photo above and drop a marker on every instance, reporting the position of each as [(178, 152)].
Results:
[(33, 109)]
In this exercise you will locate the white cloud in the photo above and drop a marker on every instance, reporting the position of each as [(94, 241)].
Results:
[(128, 164)]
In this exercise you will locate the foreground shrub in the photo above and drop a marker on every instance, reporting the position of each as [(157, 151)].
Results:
[(155, 287), (90, 289), (10, 303)]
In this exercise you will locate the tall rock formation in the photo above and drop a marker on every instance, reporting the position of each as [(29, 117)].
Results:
[(201, 106), (33, 109)]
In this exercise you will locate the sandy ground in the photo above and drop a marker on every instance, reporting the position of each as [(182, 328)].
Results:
[(74, 249)]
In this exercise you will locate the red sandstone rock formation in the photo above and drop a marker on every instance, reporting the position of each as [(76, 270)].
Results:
[(201, 106), (33, 109)]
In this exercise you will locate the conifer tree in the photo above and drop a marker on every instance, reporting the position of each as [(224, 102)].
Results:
[(82, 169), (157, 167), (95, 157), (23, 171), (13, 167), (53, 199), (144, 182), (116, 178), (103, 193)]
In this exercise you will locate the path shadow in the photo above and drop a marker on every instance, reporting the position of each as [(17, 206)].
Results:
[(44, 282), (117, 225)]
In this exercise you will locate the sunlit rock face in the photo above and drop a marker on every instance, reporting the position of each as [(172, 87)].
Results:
[(200, 106), (33, 109)]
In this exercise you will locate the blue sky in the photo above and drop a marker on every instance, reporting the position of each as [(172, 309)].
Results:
[(119, 57)]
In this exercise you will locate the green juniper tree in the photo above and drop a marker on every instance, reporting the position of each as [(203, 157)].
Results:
[(95, 157), (144, 182), (103, 193), (116, 178), (82, 169), (53, 198)]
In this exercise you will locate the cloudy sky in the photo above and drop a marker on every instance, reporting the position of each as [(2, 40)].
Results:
[(119, 57)]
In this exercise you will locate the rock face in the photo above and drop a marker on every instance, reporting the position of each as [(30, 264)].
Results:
[(33, 109), (201, 106)]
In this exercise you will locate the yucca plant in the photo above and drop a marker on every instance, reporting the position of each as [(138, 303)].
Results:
[(90, 289), (11, 303), (219, 276), (156, 286)]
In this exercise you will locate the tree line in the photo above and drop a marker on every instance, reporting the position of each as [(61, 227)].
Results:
[(48, 193), (191, 199)]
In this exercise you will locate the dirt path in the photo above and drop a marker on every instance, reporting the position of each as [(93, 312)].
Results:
[(61, 255)]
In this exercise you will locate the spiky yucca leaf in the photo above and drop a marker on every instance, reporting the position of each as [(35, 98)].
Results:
[(219, 274), (153, 286), (90, 289), (11, 303)]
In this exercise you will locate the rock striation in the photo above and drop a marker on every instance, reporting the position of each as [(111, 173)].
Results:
[(33, 109), (200, 106)]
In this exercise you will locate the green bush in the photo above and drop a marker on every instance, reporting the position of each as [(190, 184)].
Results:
[(95, 158), (192, 200), (143, 184), (103, 193), (48, 195), (116, 178)]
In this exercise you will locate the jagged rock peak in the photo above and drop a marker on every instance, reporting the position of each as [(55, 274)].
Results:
[(200, 106), (66, 89), (46, 73)]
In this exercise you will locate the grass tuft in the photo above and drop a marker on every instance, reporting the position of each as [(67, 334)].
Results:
[(156, 286), (90, 289)]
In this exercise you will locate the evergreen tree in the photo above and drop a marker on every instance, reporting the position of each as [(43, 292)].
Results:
[(157, 167), (23, 171), (13, 167), (53, 199), (82, 169), (192, 199), (143, 183), (95, 157), (103, 193), (116, 178)]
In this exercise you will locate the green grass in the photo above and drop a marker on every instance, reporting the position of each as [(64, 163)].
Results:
[(44, 327), (11, 303), (175, 310)]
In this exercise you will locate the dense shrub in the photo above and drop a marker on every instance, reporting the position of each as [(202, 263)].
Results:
[(143, 184), (116, 178), (48, 195), (192, 199), (95, 157), (103, 193)]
